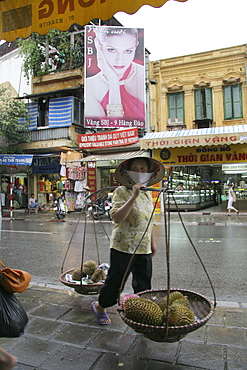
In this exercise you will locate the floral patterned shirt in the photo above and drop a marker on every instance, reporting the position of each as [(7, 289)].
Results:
[(127, 234)]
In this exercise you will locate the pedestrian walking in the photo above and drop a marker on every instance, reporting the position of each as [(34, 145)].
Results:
[(131, 211), (231, 199)]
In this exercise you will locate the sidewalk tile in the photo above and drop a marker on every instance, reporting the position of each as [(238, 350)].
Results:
[(206, 356), (76, 334), (71, 358), (226, 336)]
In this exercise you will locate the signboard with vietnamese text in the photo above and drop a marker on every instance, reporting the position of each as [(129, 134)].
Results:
[(222, 154), (91, 176), (16, 159), (107, 139), (22, 17)]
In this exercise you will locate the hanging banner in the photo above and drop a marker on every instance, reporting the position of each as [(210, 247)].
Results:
[(115, 77), (91, 176), (202, 155), (19, 18), (108, 139), (16, 159)]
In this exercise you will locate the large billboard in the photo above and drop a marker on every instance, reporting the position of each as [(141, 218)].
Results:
[(114, 77)]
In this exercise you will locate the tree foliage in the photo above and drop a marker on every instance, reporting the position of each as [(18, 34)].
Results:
[(14, 122), (54, 51)]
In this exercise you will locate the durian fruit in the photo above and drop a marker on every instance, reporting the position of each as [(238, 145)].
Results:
[(77, 274), (183, 301), (174, 296), (180, 315), (128, 296), (162, 303), (89, 267), (143, 311), (98, 275)]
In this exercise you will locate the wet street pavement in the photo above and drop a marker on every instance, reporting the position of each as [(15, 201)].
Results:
[(38, 244), (62, 332)]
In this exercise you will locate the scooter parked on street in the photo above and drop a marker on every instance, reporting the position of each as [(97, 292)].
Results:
[(100, 207), (59, 208)]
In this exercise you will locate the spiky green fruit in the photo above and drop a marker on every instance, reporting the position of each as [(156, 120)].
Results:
[(162, 303), (143, 311), (180, 315), (174, 296)]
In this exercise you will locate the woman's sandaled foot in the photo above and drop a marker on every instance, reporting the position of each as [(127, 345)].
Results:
[(102, 317), (7, 361)]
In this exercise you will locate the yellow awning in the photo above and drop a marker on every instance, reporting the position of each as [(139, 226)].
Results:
[(225, 135), (22, 17)]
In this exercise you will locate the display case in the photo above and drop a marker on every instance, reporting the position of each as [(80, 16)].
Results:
[(191, 200)]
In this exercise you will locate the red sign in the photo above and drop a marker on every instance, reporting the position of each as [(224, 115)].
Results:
[(91, 176), (107, 139)]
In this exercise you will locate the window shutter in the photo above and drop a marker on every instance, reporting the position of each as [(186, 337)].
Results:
[(172, 106), (227, 102), (198, 103), (180, 105), (209, 108), (237, 106)]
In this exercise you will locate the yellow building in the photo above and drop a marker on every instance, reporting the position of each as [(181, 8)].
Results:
[(198, 123)]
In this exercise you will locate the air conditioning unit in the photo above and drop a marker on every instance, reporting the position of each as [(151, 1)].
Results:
[(175, 121)]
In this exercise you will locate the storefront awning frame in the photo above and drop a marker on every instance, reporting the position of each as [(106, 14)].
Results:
[(121, 156), (225, 135)]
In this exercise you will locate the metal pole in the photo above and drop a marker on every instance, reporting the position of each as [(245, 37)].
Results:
[(11, 193)]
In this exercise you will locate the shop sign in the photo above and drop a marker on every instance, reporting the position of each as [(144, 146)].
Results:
[(108, 139), (192, 141), (46, 165), (235, 167), (202, 155), (15, 160), (91, 176)]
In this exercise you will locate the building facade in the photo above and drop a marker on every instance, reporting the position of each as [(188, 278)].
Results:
[(198, 116)]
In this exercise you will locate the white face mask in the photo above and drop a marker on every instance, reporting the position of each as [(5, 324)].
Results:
[(142, 177)]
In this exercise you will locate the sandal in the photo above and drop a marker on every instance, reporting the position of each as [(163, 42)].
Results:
[(101, 317)]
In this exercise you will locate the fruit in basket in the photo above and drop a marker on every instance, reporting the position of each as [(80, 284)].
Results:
[(89, 267), (180, 315), (174, 297), (98, 275), (77, 274), (143, 311)]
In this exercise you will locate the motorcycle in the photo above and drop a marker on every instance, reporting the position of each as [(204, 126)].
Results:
[(100, 207), (59, 208)]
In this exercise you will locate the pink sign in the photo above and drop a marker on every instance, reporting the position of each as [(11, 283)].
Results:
[(115, 77)]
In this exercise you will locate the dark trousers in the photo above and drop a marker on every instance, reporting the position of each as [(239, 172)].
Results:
[(141, 268)]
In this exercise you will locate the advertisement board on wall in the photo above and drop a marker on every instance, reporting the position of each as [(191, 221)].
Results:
[(115, 77), (222, 154), (108, 139)]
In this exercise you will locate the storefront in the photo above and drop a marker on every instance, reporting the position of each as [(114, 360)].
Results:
[(196, 159), (15, 172)]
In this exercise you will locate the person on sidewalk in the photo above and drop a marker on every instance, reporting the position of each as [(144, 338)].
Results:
[(131, 211), (7, 361), (231, 199), (33, 204)]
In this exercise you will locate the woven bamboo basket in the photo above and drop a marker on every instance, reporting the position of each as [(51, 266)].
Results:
[(85, 289), (200, 305)]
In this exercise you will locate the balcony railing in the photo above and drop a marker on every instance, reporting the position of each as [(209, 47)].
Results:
[(50, 134)]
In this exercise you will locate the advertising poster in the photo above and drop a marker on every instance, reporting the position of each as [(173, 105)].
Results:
[(114, 77), (108, 139)]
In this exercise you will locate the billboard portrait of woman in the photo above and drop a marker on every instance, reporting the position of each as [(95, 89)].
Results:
[(115, 77)]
